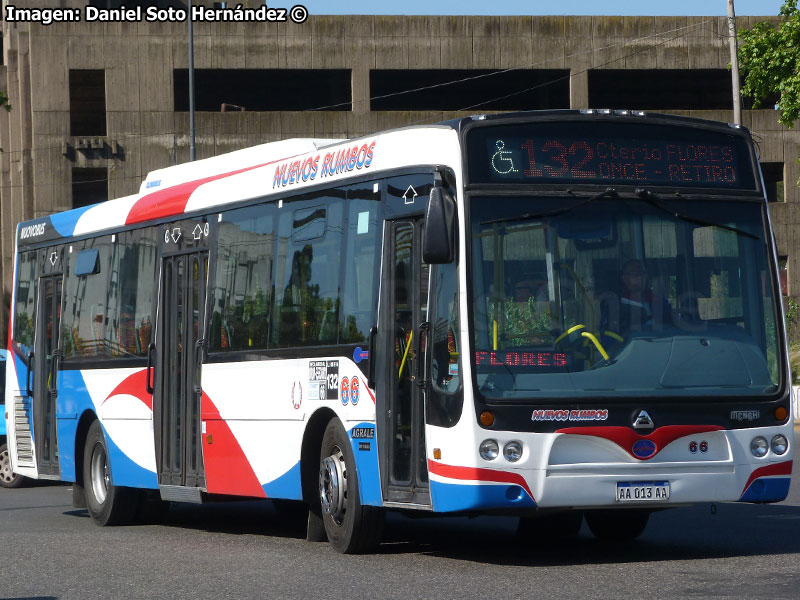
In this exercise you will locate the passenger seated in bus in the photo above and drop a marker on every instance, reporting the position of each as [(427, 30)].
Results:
[(638, 307)]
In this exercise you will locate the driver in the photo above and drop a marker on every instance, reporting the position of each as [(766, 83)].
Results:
[(639, 307)]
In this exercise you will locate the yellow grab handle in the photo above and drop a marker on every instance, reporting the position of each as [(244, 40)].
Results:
[(597, 343), (572, 329), (405, 354)]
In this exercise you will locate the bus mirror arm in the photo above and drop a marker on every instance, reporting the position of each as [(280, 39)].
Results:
[(373, 334), (149, 370), (28, 376)]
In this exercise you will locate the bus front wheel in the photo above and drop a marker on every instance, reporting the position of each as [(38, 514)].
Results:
[(351, 527), (107, 504), (8, 479), (617, 525)]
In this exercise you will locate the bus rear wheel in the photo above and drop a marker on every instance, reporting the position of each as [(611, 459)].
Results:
[(8, 479), (107, 504), (351, 527), (617, 525)]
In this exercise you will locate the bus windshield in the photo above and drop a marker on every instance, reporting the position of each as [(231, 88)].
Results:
[(621, 296)]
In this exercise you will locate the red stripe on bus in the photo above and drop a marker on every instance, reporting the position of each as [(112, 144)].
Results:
[(625, 437), (781, 468), (227, 469), (478, 474), (172, 200), (133, 385)]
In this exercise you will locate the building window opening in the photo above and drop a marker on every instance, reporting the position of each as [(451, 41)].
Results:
[(89, 186), (224, 90), (783, 272), (773, 180), (467, 89), (660, 89), (87, 102)]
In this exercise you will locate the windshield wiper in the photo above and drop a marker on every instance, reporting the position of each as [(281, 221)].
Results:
[(656, 201), (608, 193)]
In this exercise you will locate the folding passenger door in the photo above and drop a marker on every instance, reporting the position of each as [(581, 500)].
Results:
[(45, 361), (178, 355), (401, 343)]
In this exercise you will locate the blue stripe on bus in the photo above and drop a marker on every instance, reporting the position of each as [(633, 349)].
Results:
[(773, 489), (288, 486), (64, 223), (365, 452), (126, 472), (450, 497)]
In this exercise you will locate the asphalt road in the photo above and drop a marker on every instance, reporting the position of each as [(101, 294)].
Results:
[(247, 550)]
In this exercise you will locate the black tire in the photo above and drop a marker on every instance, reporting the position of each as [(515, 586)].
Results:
[(565, 524), (107, 504), (617, 525), (8, 479), (351, 527)]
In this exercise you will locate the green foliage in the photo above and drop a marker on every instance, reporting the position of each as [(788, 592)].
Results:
[(522, 323), (769, 57), (792, 311), (4, 101)]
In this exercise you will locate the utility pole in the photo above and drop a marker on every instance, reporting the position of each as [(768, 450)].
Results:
[(737, 95), (192, 148)]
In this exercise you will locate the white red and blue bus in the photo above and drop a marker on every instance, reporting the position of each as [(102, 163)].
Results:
[(427, 319)]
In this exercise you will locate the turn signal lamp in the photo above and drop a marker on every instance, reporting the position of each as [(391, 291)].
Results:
[(487, 418), (437, 453), (781, 413)]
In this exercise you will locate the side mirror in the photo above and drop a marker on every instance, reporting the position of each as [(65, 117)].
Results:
[(439, 239)]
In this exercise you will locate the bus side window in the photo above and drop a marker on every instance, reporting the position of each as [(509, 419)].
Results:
[(243, 286), (361, 263), (445, 400), (25, 302)]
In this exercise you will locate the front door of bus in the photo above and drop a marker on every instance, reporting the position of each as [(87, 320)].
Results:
[(406, 296), (177, 398), (46, 358)]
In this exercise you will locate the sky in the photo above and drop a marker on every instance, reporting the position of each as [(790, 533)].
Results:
[(540, 7)]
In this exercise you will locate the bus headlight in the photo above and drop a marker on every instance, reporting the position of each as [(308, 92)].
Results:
[(489, 449), (779, 445), (759, 447), (512, 451)]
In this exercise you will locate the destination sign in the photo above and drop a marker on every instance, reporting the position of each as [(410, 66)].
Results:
[(597, 152)]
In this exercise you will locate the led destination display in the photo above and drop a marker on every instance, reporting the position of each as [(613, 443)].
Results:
[(600, 152)]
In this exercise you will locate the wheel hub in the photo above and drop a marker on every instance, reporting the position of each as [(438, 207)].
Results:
[(333, 485), (101, 478), (6, 473)]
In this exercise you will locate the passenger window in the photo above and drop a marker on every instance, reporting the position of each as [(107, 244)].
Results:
[(310, 230), (131, 283), (25, 302), (361, 263), (85, 307), (243, 294)]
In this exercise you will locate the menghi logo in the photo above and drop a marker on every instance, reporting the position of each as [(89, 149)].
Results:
[(30, 231)]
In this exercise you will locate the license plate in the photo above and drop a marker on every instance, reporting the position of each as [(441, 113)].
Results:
[(642, 491)]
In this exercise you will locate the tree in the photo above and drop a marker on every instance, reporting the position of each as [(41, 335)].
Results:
[(4, 101), (769, 58)]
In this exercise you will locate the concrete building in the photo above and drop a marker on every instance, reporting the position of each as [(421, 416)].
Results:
[(98, 105)]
